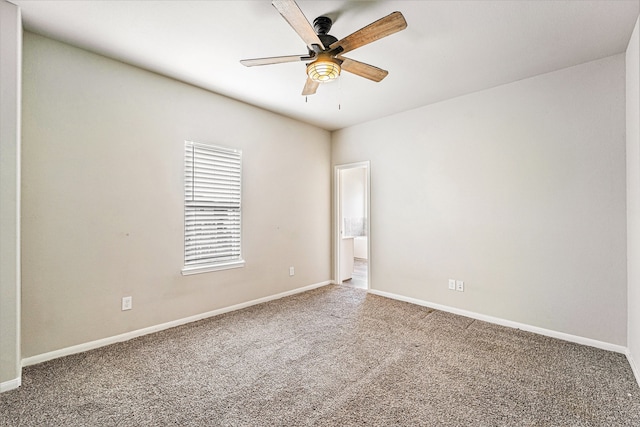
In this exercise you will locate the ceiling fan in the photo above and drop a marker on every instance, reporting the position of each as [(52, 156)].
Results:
[(324, 57)]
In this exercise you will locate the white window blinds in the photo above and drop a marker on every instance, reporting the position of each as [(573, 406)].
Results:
[(212, 218)]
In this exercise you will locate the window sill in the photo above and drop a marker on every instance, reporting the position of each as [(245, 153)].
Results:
[(186, 271)]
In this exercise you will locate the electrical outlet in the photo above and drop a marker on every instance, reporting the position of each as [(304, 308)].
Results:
[(452, 284), (126, 303), (292, 271), (459, 286)]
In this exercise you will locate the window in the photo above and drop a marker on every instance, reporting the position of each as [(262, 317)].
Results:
[(212, 208)]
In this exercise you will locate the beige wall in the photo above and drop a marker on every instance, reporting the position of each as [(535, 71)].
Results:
[(10, 66), (633, 196), (103, 198), (518, 190)]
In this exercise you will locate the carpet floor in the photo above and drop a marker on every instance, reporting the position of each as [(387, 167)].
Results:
[(334, 356)]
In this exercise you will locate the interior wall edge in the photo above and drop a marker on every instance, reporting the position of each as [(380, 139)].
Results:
[(634, 366), (10, 194), (632, 99)]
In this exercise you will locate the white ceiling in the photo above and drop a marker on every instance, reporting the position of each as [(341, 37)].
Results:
[(450, 48)]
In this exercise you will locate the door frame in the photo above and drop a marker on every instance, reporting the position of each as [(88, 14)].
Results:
[(337, 211)]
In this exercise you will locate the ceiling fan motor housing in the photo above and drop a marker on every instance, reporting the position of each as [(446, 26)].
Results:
[(322, 26)]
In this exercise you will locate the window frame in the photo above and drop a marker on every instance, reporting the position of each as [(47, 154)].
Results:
[(208, 204)]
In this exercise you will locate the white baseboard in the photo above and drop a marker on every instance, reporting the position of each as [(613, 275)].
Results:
[(634, 366), (156, 328), (10, 385), (508, 323)]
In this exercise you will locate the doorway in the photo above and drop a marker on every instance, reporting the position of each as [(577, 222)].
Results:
[(352, 231)]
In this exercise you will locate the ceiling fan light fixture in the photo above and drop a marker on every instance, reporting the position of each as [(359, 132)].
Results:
[(323, 69), (325, 51)]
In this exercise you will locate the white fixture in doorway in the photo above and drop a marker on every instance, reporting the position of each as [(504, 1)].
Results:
[(347, 230)]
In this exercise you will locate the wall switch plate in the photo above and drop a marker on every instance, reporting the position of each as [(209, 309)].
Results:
[(126, 303), (292, 271), (459, 286), (452, 284)]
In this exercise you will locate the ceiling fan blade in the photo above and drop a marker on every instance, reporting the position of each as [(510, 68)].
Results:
[(291, 12), (310, 87), (383, 27), (363, 70), (274, 60)]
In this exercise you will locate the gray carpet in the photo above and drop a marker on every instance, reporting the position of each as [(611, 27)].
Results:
[(335, 356)]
